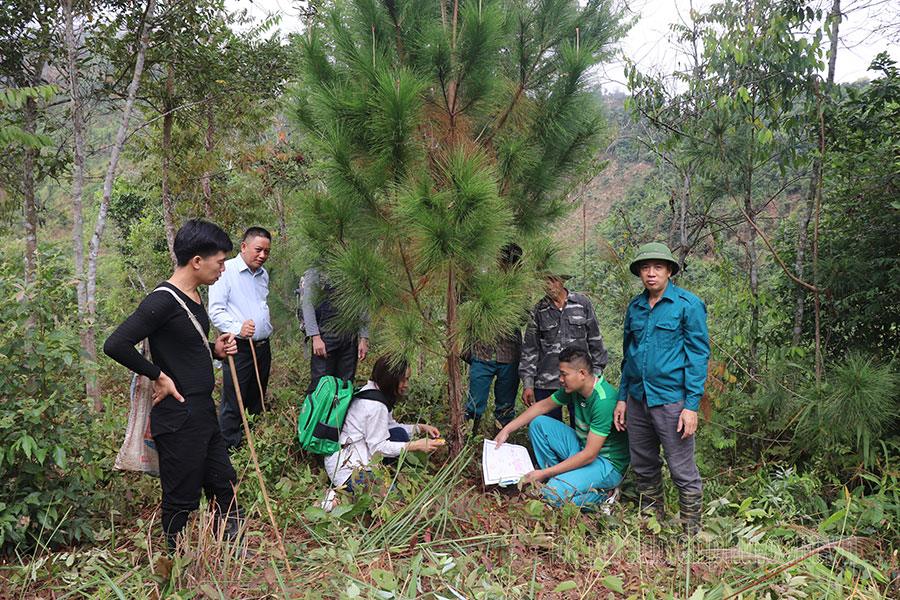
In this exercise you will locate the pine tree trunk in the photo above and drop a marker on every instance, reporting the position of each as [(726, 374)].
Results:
[(454, 379), (168, 209)]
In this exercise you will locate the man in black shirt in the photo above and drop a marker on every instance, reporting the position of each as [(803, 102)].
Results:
[(183, 421)]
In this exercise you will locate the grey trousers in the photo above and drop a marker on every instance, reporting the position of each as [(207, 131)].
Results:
[(650, 427)]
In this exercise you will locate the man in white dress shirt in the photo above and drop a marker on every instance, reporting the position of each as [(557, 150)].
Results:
[(237, 304)]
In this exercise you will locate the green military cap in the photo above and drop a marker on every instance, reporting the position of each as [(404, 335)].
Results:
[(653, 251)]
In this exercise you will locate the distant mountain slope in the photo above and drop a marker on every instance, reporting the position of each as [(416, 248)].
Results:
[(599, 195)]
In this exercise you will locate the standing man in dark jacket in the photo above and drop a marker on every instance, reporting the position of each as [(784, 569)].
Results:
[(665, 355), (192, 454), (334, 352), (561, 319)]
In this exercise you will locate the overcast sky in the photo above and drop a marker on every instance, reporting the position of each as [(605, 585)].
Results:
[(650, 42)]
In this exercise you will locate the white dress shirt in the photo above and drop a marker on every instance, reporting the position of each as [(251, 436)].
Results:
[(365, 432), (238, 295)]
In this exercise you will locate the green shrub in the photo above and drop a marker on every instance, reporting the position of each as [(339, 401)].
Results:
[(857, 402), (45, 454)]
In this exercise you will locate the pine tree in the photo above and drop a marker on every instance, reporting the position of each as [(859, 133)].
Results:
[(443, 132)]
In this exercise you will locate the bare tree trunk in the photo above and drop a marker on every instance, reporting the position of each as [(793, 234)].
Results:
[(282, 218), (31, 250), (682, 218), (833, 46), (754, 300), (88, 345), (799, 262), (832, 61), (115, 152), (168, 209), (87, 274), (815, 184), (753, 259), (454, 383), (206, 179), (28, 194)]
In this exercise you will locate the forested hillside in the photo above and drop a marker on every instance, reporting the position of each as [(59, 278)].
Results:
[(400, 148)]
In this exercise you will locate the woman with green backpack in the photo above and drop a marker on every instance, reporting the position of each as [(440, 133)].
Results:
[(369, 427)]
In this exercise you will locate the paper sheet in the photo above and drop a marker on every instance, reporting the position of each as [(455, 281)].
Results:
[(506, 465)]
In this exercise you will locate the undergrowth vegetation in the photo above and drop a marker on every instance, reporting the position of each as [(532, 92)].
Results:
[(428, 146), (787, 526)]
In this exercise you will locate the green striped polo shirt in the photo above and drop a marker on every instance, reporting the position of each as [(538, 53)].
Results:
[(595, 413)]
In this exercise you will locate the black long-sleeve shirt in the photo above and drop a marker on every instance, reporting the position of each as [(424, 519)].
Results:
[(175, 345)]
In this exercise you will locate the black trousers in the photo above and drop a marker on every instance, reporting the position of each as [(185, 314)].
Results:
[(229, 411), (342, 351), (192, 460)]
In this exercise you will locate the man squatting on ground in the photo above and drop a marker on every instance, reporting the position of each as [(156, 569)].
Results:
[(581, 464), (559, 320), (496, 362), (665, 357), (192, 454), (237, 304), (334, 353)]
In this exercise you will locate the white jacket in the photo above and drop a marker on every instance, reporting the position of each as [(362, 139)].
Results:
[(365, 432)]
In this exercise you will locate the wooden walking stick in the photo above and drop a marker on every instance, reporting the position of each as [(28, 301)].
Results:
[(259, 476), (262, 401)]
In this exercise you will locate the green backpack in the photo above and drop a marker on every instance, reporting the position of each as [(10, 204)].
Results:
[(323, 413)]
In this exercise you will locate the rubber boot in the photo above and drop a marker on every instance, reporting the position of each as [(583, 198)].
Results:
[(172, 542), (651, 496), (691, 510), (234, 534), (173, 528), (476, 422)]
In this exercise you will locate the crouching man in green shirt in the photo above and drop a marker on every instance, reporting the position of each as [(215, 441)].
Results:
[(584, 464)]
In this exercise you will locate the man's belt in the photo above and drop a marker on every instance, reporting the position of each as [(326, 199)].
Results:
[(245, 342)]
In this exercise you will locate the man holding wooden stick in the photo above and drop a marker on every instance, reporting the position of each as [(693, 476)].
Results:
[(237, 305), (192, 454)]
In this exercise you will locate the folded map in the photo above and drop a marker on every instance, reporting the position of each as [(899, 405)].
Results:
[(505, 465)]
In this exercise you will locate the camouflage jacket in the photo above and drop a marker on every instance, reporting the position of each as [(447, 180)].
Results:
[(550, 330)]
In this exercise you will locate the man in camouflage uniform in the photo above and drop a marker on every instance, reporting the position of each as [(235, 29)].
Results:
[(561, 319)]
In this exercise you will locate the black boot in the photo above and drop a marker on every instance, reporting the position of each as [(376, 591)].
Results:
[(651, 496), (476, 422), (691, 510), (233, 533), (172, 542)]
